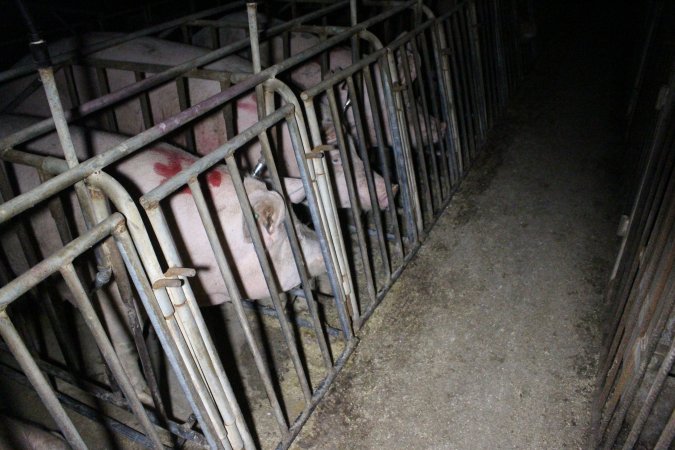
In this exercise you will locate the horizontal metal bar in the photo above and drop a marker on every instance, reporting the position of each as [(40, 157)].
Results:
[(64, 57), (155, 80), (88, 388), (24, 282), (83, 409), (318, 395), (299, 321), (203, 74), (218, 155)]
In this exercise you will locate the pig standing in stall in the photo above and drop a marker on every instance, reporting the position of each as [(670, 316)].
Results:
[(142, 172), (210, 131)]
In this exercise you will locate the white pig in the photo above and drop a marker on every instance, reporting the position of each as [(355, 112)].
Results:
[(209, 131)]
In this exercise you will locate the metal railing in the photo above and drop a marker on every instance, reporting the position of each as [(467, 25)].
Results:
[(447, 72), (639, 349)]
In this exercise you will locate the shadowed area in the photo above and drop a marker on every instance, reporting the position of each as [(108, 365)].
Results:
[(491, 337)]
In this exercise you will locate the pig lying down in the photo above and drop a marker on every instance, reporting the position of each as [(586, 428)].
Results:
[(210, 130)]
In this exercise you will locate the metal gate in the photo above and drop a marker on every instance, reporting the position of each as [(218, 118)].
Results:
[(416, 110)]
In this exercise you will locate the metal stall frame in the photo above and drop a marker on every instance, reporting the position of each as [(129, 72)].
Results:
[(179, 348), (641, 294), (174, 301)]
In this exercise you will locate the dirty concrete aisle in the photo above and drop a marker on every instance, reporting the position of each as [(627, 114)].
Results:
[(490, 339)]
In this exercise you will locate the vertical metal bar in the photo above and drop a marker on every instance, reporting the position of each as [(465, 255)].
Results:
[(344, 148), (268, 274), (418, 145), (464, 103), (361, 144), (650, 399), (424, 107), (193, 328), (39, 382), (407, 149), (127, 296), (290, 225), (252, 12), (373, 100), (475, 52), (169, 335), (71, 86), (464, 50), (353, 20), (442, 145), (144, 99), (439, 46), (228, 112), (83, 303), (502, 70), (667, 435), (183, 88), (399, 151), (104, 89), (235, 297), (320, 199)]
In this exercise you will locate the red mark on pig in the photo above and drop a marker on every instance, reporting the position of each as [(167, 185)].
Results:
[(176, 163)]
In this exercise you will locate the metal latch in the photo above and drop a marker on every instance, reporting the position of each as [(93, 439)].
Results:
[(318, 151), (173, 277)]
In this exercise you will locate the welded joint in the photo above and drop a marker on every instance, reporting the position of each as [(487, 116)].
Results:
[(174, 277)]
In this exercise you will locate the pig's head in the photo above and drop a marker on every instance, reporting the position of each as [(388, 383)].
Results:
[(270, 213)]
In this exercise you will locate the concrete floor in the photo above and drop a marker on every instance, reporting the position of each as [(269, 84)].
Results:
[(490, 339)]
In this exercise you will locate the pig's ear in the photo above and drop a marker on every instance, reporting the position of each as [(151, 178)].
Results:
[(268, 208)]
